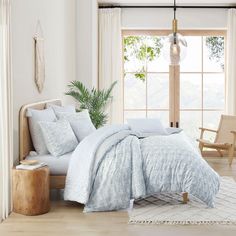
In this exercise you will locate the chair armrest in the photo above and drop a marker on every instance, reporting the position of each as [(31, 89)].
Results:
[(211, 130)]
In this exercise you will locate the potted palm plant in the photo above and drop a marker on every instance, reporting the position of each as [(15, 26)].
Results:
[(95, 101)]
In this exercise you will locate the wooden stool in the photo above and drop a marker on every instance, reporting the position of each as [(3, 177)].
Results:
[(31, 191)]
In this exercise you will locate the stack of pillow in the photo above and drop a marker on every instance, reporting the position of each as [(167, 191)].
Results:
[(58, 130)]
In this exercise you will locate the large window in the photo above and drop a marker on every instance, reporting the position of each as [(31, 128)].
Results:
[(198, 84), (146, 78)]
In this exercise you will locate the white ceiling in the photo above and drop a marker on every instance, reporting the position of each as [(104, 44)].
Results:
[(185, 2)]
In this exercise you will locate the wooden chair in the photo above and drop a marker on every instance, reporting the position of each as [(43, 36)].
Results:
[(225, 137)]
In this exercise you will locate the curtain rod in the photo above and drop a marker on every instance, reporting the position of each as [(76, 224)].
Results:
[(168, 6)]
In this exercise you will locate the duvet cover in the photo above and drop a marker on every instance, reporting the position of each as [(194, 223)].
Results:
[(113, 165)]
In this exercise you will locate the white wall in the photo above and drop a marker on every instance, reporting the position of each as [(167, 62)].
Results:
[(87, 42), (58, 20), (138, 18)]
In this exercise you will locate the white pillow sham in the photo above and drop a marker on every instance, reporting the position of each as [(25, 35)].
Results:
[(35, 116), (69, 108), (147, 126), (59, 137), (80, 123)]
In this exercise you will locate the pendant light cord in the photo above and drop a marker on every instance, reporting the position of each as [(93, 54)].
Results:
[(174, 9), (174, 33)]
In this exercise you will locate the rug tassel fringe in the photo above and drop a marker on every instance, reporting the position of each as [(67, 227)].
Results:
[(157, 222)]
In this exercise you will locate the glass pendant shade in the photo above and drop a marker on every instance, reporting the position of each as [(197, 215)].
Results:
[(175, 48)]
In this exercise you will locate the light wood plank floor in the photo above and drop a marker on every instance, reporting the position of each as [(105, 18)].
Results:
[(67, 219)]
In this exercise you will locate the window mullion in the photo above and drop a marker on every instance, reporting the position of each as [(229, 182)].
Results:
[(146, 82), (202, 82)]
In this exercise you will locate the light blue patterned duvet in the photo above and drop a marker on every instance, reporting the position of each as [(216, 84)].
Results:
[(112, 166)]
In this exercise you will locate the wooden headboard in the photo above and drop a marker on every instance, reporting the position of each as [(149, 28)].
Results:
[(25, 139)]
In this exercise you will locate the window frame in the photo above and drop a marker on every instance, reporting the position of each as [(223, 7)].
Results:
[(175, 73)]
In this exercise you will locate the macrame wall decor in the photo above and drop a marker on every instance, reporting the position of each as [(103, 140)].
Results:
[(39, 70)]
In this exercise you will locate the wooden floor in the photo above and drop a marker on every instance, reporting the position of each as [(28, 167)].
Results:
[(68, 219)]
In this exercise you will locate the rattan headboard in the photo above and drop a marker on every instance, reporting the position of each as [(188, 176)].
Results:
[(25, 139)]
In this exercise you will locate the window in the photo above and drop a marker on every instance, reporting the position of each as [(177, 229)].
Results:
[(146, 78), (202, 84), (196, 88)]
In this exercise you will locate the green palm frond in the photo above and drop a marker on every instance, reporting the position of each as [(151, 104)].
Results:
[(79, 92), (107, 94), (95, 100)]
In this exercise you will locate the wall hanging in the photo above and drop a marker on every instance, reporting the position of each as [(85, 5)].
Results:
[(39, 70)]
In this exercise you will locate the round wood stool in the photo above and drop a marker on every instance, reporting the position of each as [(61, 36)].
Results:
[(31, 191)]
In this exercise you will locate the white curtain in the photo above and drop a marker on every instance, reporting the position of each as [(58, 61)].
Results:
[(110, 59), (6, 124), (231, 64)]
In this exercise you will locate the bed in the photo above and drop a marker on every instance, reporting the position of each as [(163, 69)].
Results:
[(113, 165), (57, 177)]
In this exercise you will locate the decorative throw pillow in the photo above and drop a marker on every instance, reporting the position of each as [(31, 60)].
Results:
[(80, 123), (59, 137), (69, 108), (34, 116), (147, 126)]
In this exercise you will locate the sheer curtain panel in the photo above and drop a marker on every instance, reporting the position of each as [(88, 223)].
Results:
[(110, 59), (6, 127), (231, 64)]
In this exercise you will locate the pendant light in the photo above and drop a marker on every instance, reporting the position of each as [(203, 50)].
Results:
[(175, 46)]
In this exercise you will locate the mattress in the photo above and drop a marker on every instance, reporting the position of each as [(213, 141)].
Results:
[(57, 165)]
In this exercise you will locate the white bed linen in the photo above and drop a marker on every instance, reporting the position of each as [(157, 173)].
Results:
[(57, 165), (156, 164)]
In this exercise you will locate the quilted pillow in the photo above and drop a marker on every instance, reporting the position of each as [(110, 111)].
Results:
[(80, 123), (147, 126), (34, 116), (59, 137)]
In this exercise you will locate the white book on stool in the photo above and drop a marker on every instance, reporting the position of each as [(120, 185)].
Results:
[(30, 167)]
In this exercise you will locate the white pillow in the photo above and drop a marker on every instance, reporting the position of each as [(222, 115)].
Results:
[(59, 137), (147, 126), (80, 123), (34, 116), (69, 108)]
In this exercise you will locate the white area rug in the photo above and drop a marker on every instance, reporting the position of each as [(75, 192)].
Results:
[(169, 209)]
